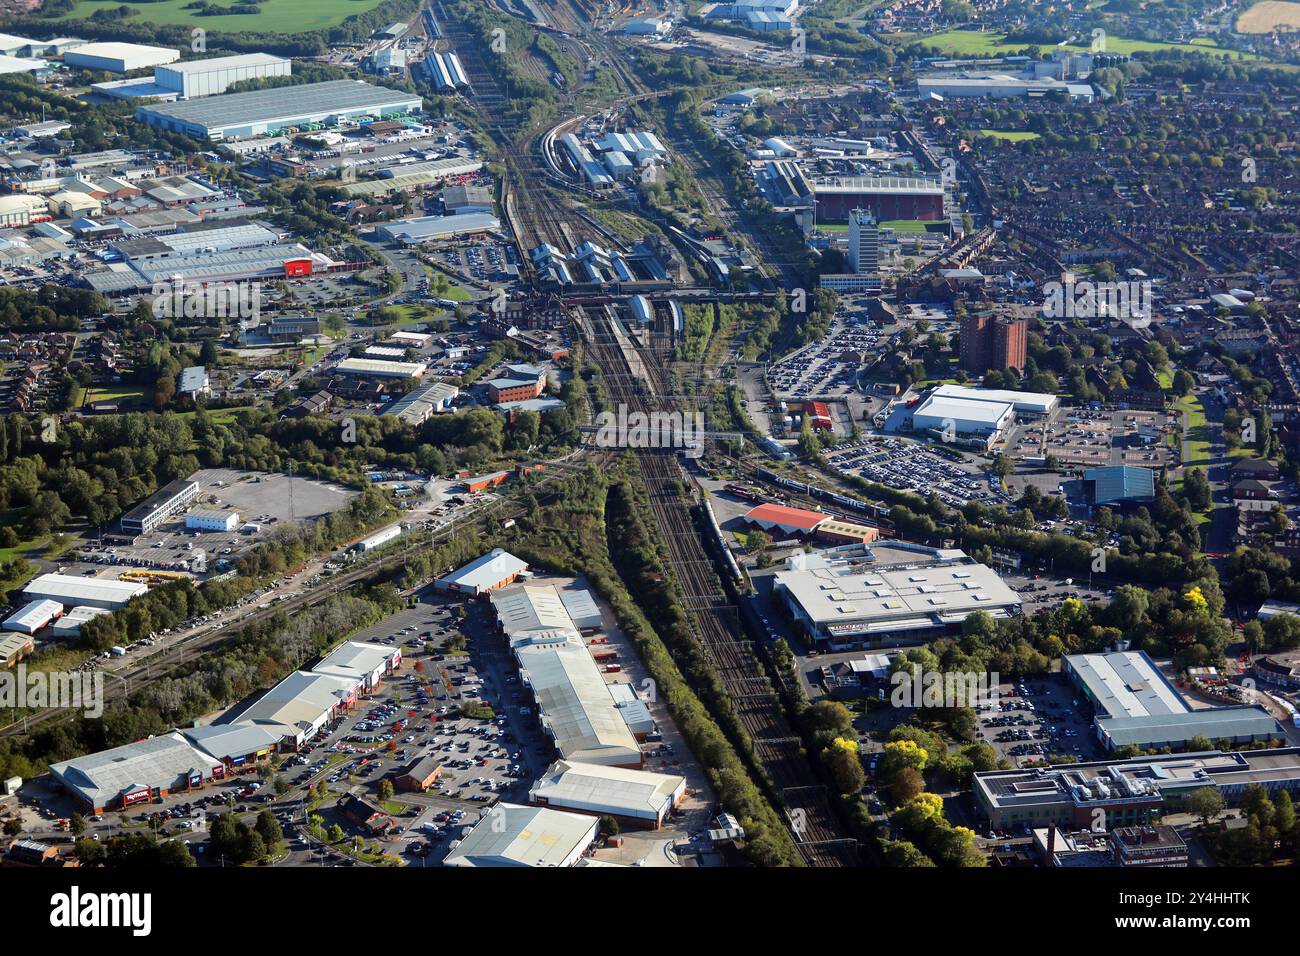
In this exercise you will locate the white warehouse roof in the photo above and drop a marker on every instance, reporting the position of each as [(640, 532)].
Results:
[(575, 704), (484, 572), (616, 791), (528, 611), (357, 661), (67, 589), (1039, 403), (513, 835), (30, 618), (1126, 684)]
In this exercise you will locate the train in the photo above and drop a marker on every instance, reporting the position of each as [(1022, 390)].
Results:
[(728, 559), (877, 512)]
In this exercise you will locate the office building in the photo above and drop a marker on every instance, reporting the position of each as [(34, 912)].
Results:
[(174, 497), (864, 243)]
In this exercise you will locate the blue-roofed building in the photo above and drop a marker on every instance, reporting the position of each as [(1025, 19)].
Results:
[(1119, 484)]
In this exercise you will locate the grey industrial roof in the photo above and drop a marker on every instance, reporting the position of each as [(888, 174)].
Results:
[(614, 790), (486, 570), (280, 103), (436, 227), (224, 63), (915, 594), (576, 705), (1126, 684), (513, 835), (79, 589), (232, 740), (154, 763), (1215, 723)]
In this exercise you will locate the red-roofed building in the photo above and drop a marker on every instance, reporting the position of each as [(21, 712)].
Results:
[(819, 415), (784, 519)]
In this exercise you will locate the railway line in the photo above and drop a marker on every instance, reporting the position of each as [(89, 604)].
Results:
[(646, 385), (777, 747)]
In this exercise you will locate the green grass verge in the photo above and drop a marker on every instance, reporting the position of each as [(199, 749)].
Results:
[(273, 16), (975, 43)]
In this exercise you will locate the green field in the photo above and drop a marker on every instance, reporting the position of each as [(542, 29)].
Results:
[(1009, 135), (274, 16), (120, 394), (975, 43)]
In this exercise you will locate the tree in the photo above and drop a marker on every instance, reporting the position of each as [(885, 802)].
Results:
[(830, 717), (1205, 803), (841, 758), (609, 826), (77, 824), (89, 851), (905, 785), (385, 789)]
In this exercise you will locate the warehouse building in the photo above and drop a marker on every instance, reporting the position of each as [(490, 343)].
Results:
[(69, 625), (31, 617), (575, 706), (212, 520), (1000, 86), (1027, 405), (1130, 792), (864, 595), (496, 569), (418, 405), (299, 706), (174, 497), (514, 835), (1135, 705), (978, 415), (635, 798), (14, 647), (582, 608), (530, 612), (377, 368), (366, 665), (136, 773), (885, 197), (379, 538), (237, 746), (218, 74), (70, 590), (1119, 485), (419, 229), (21, 209), (783, 520), (266, 112), (119, 57)]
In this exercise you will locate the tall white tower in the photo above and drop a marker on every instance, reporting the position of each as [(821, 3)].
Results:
[(864, 243)]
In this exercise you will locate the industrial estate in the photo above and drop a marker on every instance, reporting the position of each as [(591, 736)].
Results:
[(789, 434)]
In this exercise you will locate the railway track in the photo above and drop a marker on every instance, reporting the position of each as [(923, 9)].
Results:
[(538, 216), (778, 748)]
